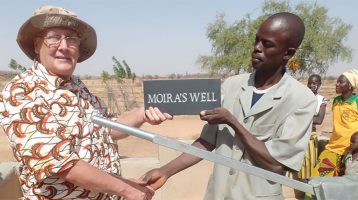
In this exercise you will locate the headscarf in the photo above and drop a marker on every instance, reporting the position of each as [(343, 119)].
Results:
[(352, 77)]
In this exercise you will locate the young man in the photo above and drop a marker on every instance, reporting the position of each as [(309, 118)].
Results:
[(46, 113), (265, 119)]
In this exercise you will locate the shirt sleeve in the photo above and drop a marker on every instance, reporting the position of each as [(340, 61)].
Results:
[(324, 101), (289, 145), (40, 139), (210, 131)]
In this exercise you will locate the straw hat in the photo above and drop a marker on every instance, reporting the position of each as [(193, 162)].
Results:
[(52, 16)]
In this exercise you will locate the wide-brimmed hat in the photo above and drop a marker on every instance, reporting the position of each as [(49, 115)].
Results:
[(52, 16)]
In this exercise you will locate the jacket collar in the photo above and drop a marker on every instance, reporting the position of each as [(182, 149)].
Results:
[(267, 101)]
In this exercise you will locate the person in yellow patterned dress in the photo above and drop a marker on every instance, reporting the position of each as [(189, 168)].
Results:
[(46, 113), (345, 123)]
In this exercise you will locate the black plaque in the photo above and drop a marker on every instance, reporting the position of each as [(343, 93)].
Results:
[(182, 97)]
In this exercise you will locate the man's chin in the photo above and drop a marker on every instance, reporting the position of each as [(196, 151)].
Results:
[(254, 65)]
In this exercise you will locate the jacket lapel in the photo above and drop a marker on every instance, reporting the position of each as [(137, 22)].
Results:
[(246, 95), (267, 101)]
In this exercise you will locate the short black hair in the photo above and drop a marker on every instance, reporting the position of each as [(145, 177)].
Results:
[(318, 77), (295, 26)]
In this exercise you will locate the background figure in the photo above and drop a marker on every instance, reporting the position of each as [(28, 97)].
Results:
[(345, 123), (350, 160), (46, 113), (314, 83), (265, 119)]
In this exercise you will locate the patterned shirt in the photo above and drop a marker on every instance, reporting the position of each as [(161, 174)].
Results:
[(48, 124), (345, 123), (351, 165)]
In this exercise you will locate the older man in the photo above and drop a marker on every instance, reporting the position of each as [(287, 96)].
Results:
[(46, 113)]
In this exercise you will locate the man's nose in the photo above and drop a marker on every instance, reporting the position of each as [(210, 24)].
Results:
[(63, 43), (257, 46)]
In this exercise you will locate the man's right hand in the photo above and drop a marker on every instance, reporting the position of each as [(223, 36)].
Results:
[(155, 178)]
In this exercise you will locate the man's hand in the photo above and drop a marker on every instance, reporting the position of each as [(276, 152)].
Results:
[(155, 178), (217, 116), (154, 116), (87, 176), (138, 190), (137, 117)]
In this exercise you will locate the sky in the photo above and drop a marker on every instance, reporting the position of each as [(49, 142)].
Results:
[(154, 37)]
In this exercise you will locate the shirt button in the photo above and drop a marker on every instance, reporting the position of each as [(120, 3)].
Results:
[(231, 172), (237, 147)]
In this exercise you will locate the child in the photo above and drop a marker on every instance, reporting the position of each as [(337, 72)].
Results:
[(351, 158), (314, 83)]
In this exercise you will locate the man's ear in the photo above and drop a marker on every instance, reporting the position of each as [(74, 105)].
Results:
[(289, 53)]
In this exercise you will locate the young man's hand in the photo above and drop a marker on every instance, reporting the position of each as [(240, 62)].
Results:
[(217, 116), (155, 178)]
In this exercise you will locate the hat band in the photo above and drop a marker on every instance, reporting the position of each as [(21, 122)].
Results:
[(57, 21)]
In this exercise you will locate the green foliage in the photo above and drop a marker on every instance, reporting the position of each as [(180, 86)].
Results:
[(128, 69), (119, 71), (16, 66), (105, 76), (232, 45)]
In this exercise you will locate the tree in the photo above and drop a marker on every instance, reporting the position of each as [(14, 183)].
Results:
[(172, 76), (105, 76), (16, 66), (118, 69), (121, 72), (128, 69), (322, 45), (112, 101), (134, 76)]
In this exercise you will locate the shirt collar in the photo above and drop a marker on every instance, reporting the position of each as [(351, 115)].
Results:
[(353, 98), (54, 81)]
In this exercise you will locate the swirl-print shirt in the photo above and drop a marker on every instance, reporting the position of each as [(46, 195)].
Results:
[(48, 124)]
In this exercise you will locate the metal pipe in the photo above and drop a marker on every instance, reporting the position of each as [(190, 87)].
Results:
[(121, 127), (207, 155)]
